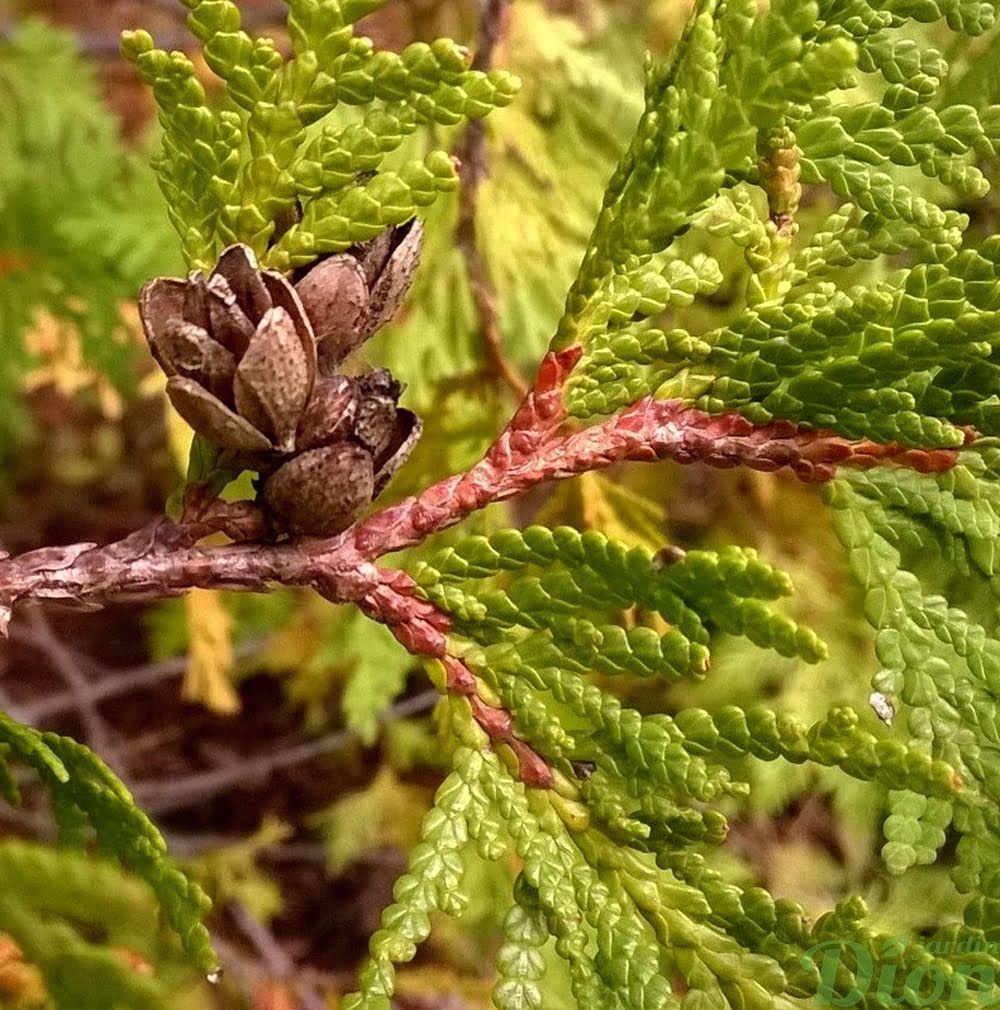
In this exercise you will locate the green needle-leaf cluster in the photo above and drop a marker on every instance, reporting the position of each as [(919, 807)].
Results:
[(88, 798), (752, 109), (87, 926), (78, 238)]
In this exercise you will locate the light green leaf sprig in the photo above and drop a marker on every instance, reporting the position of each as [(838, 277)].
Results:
[(86, 794), (272, 169)]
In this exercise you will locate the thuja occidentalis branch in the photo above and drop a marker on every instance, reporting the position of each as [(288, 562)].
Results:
[(165, 558)]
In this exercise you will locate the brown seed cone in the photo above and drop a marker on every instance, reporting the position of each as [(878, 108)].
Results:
[(321, 492), (251, 365), (239, 352)]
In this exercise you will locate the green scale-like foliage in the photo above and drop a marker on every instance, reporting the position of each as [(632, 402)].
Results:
[(906, 359), (88, 798), (937, 643), (78, 238), (74, 917), (617, 838), (272, 158), (910, 359)]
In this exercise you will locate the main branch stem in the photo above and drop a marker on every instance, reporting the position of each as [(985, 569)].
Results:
[(165, 559)]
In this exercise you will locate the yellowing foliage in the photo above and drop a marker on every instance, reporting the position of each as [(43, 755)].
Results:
[(57, 345), (210, 659)]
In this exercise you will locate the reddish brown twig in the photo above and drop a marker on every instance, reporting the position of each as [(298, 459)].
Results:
[(164, 559)]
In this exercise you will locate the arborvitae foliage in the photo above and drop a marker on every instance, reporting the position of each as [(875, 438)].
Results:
[(615, 813), (89, 928), (255, 171), (89, 801)]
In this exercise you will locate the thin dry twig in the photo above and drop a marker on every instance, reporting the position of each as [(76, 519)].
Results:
[(161, 798), (66, 664), (276, 960), (112, 683), (471, 152), (165, 559)]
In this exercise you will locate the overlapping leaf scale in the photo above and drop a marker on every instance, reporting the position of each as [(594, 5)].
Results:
[(591, 570), (901, 957), (779, 931), (251, 69), (434, 78), (324, 27), (755, 364), (936, 659), (535, 639), (906, 361), (914, 829), (200, 147), (550, 604), (248, 66), (855, 19), (339, 153), (715, 968), (889, 363), (777, 64), (837, 740), (645, 817), (221, 190), (690, 132), (971, 17), (735, 77), (729, 589), (618, 953), (847, 145), (619, 739), (331, 65), (913, 70), (520, 962), (725, 590), (534, 718), (958, 510), (435, 869), (613, 327), (774, 931), (861, 18), (648, 769), (642, 288), (334, 221), (849, 236), (978, 848)]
